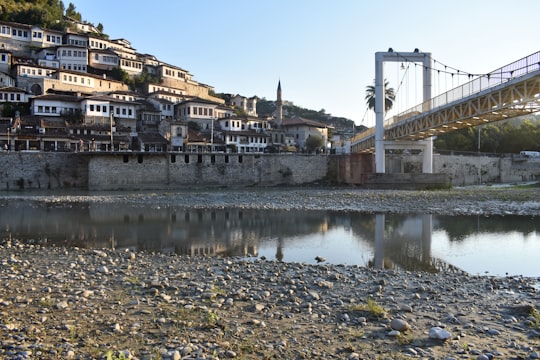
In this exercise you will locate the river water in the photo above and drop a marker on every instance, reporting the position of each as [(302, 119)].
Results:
[(495, 245)]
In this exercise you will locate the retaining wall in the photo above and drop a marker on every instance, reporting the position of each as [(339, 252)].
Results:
[(105, 171)]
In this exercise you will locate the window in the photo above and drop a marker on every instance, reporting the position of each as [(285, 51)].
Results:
[(91, 107), (98, 108), (40, 109)]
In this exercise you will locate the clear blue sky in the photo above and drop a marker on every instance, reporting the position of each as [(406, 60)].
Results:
[(322, 51)]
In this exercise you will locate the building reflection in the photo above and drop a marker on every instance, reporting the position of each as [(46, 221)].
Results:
[(396, 241)]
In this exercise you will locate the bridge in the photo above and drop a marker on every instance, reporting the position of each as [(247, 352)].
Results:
[(510, 91)]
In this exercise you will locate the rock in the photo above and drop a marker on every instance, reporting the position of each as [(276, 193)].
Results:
[(399, 325), (438, 333), (320, 259)]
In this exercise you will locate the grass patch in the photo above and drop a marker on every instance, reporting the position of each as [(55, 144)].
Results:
[(370, 307), (535, 314)]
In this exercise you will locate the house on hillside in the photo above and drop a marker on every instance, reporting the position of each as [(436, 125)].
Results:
[(245, 134), (302, 129), (11, 94), (248, 105)]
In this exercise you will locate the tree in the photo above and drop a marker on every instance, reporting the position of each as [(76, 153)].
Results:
[(100, 27), (72, 13), (389, 96), (314, 142)]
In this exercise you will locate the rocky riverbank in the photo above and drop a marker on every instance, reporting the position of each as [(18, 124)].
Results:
[(100, 304), (58, 303)]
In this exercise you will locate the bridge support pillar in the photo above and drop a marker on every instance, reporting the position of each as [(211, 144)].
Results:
[(380, 110), (427, 161)]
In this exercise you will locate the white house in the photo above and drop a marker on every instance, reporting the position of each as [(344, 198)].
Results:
[(103, 59), (14, 95), (6, 80), (245, 134), (5, 60), (72, 57), (203, 112), (249, 105), (165, 106), (76, 39), (55, 105), (47, 58), (302, 129), (100, 109)]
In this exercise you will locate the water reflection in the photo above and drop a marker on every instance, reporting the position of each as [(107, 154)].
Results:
[(411, 242)]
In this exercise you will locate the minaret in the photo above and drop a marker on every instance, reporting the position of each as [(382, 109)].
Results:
[(279, 106)]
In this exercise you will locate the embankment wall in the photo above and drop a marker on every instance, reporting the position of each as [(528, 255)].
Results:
[(102, 171)]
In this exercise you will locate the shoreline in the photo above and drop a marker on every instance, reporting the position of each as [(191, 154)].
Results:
[(87, 304)]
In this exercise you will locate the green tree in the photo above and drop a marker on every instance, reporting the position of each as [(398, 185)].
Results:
[(72, 13), (314, 142), (389, 96)]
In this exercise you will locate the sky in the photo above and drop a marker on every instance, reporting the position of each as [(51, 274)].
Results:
[(323, 52)]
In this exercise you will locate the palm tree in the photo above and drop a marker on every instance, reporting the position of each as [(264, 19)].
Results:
[(389, 96)]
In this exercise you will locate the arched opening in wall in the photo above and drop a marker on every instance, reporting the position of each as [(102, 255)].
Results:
[(139, 159), (240, 158), (186, 159), (199, 159), (36, 89), (173, 158), (126, 158), (226, 159), (213, 159)]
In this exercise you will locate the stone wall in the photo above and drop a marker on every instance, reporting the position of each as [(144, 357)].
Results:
[(102, 171), (153, 170), (29, 170)]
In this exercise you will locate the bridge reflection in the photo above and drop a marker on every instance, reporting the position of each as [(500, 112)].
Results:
[(378, 240)]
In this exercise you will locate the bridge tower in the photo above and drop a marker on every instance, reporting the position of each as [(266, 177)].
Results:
[(380, 143)]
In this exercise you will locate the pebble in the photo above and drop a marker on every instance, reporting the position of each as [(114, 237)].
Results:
[(196, 308), (438, 333)]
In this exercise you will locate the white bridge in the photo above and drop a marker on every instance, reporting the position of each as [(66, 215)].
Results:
[(513, 90)]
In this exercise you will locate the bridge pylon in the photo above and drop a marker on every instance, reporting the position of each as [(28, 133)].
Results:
[(380, 143)]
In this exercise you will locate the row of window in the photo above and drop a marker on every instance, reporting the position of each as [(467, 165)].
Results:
[(10, 97), (54, 39), (46, 109), (74, 67), (132, 64), (170, 72), (250, 139), (98, 44), (168, 89), (74, 53), (107, 59), (34, 71), (74, 79), (78, 42)]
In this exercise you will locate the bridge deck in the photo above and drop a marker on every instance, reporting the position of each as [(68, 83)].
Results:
[(510, 91)]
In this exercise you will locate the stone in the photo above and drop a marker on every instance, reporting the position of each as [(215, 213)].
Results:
[(399, 325), (438, 333)]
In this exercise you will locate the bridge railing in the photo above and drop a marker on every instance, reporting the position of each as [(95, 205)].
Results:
[(513, 70)]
